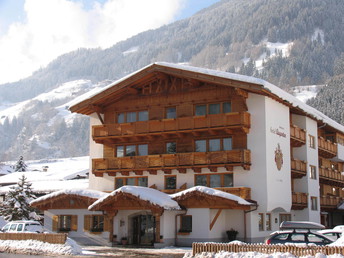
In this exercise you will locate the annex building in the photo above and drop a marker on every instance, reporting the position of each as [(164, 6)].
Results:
[(181, 154)]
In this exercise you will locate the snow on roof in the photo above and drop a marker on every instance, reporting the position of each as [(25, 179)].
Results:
[(94, 194), (43, 187), (57, 170), (238, 77), (144, 193), (212, 192)]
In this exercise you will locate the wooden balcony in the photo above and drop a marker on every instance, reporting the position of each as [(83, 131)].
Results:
[(229, 123), (297, 136), (326, 148), (167, 162), (299, 201), (330, 202), (298, 168), (331, 177)]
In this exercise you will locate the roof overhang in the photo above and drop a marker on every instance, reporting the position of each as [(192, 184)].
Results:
[(135, 198), (67, 199), (126, 85), (204, 197)]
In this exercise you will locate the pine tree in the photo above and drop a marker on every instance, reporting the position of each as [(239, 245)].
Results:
[(16, 204), (20, 166)]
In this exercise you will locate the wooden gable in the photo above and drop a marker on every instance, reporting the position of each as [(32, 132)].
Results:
[(65, 201), (196, 199), (158, 79), (126, 201)]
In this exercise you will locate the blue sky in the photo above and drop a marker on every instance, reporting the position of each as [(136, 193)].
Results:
[(34, 32)]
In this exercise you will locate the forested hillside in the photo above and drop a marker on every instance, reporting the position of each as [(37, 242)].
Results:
[(286, 42)]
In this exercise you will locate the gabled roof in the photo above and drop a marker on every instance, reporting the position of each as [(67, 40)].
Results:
[(140, 197), (49, 201), (91, 102), (201, 196)]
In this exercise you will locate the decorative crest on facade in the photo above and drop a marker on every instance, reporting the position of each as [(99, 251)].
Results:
[(278, 157)]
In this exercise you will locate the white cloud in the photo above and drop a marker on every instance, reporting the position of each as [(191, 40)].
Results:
[(54, 27)]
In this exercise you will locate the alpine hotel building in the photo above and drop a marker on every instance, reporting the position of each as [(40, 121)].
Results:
[(187, 154)]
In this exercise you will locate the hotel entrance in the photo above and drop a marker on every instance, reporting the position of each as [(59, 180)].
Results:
[(143, 229)]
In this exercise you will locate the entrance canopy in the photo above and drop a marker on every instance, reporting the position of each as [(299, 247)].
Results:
[(205, 197), (135, 198)]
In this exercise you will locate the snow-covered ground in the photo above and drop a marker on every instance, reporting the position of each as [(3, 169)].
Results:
[(60, 174)]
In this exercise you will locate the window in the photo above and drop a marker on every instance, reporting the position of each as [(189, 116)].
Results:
[(171, 112), (201, 110), (219, 144), (171, 148), (214, 180), (314, 203), (261, 222), (213, 108), (136, 181), (131, 150), (312, 172), (284, 217), (311, 141), (94, 223), (97, 223), (201, 146), (65, 223), (170, 182), (130, 117), (267, 221), (185, 224)]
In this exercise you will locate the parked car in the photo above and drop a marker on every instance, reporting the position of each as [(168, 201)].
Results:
[(331, 233), (23, 226), (299, 232)]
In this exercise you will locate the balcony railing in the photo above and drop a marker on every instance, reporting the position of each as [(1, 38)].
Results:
[(236, 120), (331, 177), (298, 168), (327, 148), (330, 202), (297, 136), (299, 201), (179, 161)]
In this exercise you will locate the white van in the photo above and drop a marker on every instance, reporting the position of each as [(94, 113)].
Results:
[(22, 226)]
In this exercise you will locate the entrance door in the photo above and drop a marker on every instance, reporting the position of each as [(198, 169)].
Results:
[(143, 229)]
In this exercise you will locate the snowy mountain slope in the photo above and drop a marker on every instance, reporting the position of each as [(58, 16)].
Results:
[(307, 92), (43, 127)]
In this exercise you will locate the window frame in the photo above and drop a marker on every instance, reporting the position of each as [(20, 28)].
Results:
[(311, 139), (166, 147), (268, 221), (260, 221), (125, 150), (125, 116), (207, 108), (60, 226), (166, 112), (125, 179), (208, 140), (314, 203), (208, 175), (312, 172), (166, 177), (92, 226), (183, 222)]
